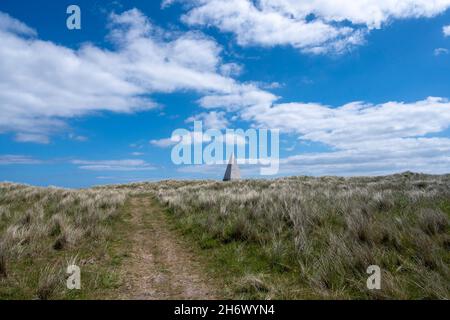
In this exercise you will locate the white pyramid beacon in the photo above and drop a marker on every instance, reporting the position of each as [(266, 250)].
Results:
[(232, 172)]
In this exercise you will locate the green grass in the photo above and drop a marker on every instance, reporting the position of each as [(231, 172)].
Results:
[(231, 262)]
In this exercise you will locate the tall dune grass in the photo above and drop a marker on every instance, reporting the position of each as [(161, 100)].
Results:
[(298, 237), (317, 236)]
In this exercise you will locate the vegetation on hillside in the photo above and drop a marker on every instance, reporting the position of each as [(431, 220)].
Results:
[(292, 238), (306, 237)]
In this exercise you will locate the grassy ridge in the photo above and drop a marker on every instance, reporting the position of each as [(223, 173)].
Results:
[(289, 238), (315, 237)]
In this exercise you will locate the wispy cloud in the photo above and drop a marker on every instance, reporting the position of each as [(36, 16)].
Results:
[(11, 159), (32, 137), (9, 24), (164, 142), (114, 165), (440, 51), (78, 138), (116, 179)]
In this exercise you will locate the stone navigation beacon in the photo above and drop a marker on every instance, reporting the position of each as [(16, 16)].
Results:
[(232, 172)]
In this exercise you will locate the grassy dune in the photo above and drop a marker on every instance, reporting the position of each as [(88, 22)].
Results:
[(290, 238), (314, 238)]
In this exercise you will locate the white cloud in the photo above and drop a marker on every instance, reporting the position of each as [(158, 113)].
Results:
[(43, 83), (211, 120), (440, 51), (246, 96), (364, 137), (118, 179), (231, 69), (113, 165), (9, 24), (316, 26), (9, 159), (427, 155), (164, 142), (356, 123), (196, 137), (360, 138), (446, 31), (192, 137), (272, 85), (166, 3), (78, 137), (32, 137)]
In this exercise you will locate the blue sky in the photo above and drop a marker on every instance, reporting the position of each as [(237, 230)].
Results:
[(355, 88)]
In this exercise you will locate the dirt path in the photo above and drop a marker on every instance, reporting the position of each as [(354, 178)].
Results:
[(160, 266)]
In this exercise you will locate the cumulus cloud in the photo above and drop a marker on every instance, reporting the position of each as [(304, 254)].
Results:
[(427, 155), (42, 83), (363, 137), (316, 26), (359, 138), (114, 165)]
